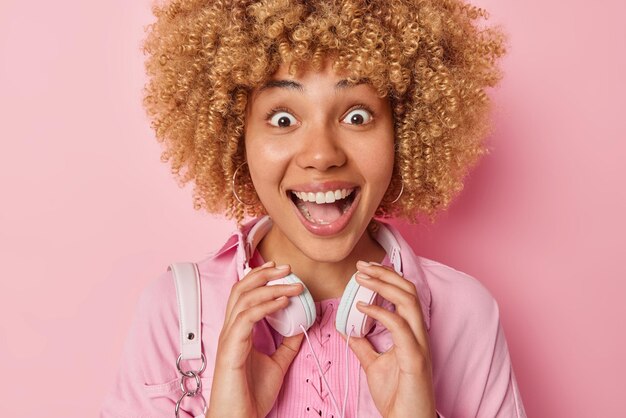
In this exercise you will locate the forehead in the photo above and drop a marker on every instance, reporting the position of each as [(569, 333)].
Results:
[(307, 79)]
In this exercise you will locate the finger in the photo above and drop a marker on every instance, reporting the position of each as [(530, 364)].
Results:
[(363, 350), (255, 278), (405, 341), (240, 329), (407, 304), (386, 274), (240, 286), (263, 294), (287, 351)]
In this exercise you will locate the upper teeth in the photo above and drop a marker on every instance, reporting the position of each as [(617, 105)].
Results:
[(324, 197)]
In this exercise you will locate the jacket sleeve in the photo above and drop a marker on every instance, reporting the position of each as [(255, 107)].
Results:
[(472, 370), (148, 383), (501, 396)]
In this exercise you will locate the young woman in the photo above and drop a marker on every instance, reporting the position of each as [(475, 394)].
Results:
[(317, 119)]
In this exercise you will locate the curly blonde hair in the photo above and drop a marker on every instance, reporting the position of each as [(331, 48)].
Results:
[(430, 57)]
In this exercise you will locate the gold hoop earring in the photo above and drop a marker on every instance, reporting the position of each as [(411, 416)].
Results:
[(400, 194), (234, 188)]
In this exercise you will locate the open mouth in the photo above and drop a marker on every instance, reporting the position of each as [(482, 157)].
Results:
[(324, 208)]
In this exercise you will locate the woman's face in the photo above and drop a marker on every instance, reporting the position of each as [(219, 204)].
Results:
[(320, 151)]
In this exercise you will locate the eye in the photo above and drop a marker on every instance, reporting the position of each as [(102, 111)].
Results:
[(358, 116), (282, 119)]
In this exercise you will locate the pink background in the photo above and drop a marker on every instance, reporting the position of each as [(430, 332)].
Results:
[(89, 214)]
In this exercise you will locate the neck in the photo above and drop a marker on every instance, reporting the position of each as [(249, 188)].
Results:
[(323, 279)]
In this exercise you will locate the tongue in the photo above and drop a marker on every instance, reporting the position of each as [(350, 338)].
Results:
[(325, 212)]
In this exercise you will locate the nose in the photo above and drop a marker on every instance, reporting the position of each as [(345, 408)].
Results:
[(321, 150)]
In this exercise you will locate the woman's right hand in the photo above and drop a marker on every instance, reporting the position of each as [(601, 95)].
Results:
[(246, 382)]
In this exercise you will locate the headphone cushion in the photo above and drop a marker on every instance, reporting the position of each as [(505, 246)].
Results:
[(348, 316), (299, 311)]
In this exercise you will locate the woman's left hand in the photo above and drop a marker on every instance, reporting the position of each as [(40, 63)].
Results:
[(400, 380)]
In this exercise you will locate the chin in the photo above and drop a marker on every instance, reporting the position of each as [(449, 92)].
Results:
[(329, 249), (327, 252)]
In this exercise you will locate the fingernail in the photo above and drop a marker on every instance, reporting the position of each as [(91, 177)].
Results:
[(283, 267), (362, 263), (269, 263), (363, 276), (361, 304), (373, 263)]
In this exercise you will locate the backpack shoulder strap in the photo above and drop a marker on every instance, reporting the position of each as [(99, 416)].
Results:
[(187, 279)]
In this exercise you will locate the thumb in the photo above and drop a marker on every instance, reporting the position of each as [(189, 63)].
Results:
[(286, 352), (363, 350)]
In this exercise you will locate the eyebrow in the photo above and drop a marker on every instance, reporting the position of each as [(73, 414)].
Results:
[(294, 85), (343, 84), (284, 84)]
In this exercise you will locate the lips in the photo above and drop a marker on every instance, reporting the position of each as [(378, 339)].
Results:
[(325, 209)]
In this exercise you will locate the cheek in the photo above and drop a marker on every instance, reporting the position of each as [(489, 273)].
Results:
[(384, 173), (378, 164), (267, 163)]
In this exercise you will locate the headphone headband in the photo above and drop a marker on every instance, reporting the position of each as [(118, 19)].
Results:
[(258, 231)]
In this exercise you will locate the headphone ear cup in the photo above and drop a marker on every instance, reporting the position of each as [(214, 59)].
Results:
[(348, 316), (299, 311)]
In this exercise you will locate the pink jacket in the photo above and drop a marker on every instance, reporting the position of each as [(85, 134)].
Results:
[(472, 372)]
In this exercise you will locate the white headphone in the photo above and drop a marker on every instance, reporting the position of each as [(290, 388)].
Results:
[(301, 308)]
